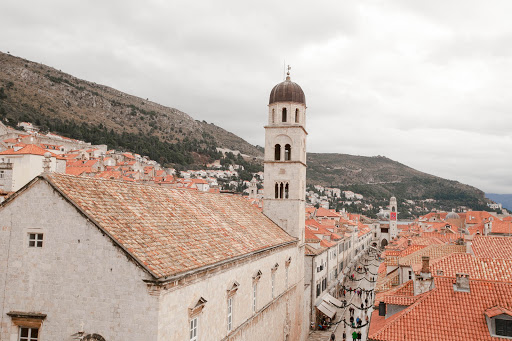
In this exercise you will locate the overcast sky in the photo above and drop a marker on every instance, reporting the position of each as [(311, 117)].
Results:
[(425, 83)]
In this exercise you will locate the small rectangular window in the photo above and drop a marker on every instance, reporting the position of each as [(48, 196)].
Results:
[(1, 174), (193, 329), (28, 334), (35, 240)]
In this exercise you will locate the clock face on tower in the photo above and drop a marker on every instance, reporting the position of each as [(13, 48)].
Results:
[(393, 216)]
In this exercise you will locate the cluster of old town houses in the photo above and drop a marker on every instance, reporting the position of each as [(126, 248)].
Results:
[(99, 244)]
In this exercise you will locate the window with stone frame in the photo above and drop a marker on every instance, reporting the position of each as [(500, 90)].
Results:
[(35, 240), (273, 283), (28, 334), (194, 312), (193, 329), (255, 279), (230, 314), (254, 296)]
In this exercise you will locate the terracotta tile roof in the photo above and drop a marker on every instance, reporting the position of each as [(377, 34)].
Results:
[(432, 251), (444, 314), (128, 155), (311, 251), (477, 217), (476, 267), (31, 149), (495, 311), (492, 247), (326, 243), (322, 212), (77, 170), (501, 227), (310, 236), (171, 231), (446, 238), (109, 174)]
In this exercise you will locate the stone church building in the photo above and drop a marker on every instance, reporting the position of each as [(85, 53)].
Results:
[(91, 259)]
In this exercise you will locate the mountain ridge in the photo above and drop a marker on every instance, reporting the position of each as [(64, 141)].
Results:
[(62, 103)]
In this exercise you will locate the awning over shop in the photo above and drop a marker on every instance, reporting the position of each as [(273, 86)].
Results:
[(327, 309), (329, 299)]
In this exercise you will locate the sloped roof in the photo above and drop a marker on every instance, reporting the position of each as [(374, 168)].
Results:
[(323, 212), (444, 314), (495, 311), (29, 149), (492, 247), (171, 231), (432, 251), (477, 267)]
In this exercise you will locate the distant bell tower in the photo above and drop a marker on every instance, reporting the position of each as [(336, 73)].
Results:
[(285, 158), (393, 214), (253, 188)]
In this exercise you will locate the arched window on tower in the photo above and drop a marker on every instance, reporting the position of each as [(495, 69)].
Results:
[(286, 191), (281, 188), (284, 114), (277, 152), (277, 191), (273, 115), (296, 115), (287, 152), (393, 209)]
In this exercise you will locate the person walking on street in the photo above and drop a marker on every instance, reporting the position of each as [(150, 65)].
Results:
[(344, 335), (354, 335), (359, 335), (333, 337)]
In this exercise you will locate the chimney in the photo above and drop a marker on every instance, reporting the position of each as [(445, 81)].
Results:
[(461, 282), (46, 162), (425, 264), (382, 308)]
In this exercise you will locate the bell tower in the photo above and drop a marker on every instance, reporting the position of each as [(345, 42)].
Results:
[(393, 214), (285, 158)]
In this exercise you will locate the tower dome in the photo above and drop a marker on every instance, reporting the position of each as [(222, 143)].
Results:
[(452, 215), (287, 91)]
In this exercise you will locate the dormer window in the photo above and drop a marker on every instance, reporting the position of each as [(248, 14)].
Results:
[(499, 321)]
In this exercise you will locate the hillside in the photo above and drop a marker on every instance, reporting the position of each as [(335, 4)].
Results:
[(59, 102), (380, 178)]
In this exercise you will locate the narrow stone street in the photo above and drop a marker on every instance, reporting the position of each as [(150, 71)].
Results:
[(359, 295)]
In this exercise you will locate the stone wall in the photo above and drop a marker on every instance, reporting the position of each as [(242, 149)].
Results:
[(274, 317), (79, 278)]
